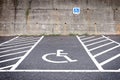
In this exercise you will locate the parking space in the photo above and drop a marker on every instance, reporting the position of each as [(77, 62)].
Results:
[(44, 56), (60, 53)]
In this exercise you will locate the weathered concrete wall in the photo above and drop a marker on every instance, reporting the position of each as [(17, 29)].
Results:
[(20, 17)]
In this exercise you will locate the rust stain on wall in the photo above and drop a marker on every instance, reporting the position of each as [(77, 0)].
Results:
[(118, 29)]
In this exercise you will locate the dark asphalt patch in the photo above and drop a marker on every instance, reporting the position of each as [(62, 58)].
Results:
[(51, 44)]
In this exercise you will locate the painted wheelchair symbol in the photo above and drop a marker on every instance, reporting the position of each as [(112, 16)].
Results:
[(58, 54)]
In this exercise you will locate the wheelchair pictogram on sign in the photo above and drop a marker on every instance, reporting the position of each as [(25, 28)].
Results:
[(58, 54), (76, 10)]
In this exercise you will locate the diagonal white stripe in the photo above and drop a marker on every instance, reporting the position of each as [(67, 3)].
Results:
[(111, 59), (9, 40), (22, 40), (96, 42), (14, 46), (106, 51), (15, 49), (6, 67), (12, 53), (25, 42), (111, 40), (93, 39), (100, 46), (10, 59)]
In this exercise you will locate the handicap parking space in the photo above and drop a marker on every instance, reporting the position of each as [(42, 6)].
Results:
[(44, 55)]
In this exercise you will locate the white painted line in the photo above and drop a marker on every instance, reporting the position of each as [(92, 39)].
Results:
[(100, 46), (27, 38), (87, 38), (6, 67), (93, 59), (106, 51), (10, 59), (111, 40), (9, 40), (15, 49), (20, 40), (14, 46), (92, 40), (18, 63), (25, 42), (96, 42), (13, 53), (107, 61), (24, 38), (66, 71)]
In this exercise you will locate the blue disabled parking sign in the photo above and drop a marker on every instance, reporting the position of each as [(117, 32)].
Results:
[(76, 10)]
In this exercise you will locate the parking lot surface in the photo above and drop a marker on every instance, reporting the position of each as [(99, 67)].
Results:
[(61, 55)]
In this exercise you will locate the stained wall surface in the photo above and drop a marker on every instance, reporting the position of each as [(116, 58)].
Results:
[(37, 17)]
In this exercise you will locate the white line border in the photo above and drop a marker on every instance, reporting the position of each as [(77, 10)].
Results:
[(67, 71), (26, 54)]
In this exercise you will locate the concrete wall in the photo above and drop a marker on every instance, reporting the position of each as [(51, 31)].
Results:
[(31, 17)]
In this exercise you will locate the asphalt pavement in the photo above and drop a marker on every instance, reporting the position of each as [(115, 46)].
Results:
[(60, 58)]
